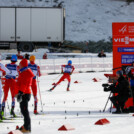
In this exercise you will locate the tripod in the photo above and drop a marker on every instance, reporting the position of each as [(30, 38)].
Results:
[(107, 103)]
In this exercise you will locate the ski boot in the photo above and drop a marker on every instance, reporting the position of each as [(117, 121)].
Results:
[(22, 129), (36, 112), (68, 86), (12, 113), (51, 89), (19, 128), (1, 118), (68, 89), (2, 115)]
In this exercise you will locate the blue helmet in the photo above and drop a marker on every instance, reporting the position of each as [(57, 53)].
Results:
[(14, 58), (70, 62)]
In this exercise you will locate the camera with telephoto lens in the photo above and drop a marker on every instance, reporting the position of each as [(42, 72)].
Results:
[(107, 87)]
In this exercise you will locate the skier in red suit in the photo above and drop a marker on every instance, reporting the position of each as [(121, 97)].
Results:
[(36, 71), (67, 70), (3, 72), (10, 83), (19, 56)]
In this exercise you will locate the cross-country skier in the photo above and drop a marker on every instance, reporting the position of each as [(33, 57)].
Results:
[(10, 83), (3, 72), (66, 70), (19, 56), (36, 71), (23, 93)]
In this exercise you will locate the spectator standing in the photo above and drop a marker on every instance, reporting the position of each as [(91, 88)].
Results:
[(102, 54)]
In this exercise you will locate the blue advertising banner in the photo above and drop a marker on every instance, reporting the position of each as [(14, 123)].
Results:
[(125, 49), (127, 58)]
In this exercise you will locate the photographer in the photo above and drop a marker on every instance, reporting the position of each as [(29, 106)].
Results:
[(122, 88)]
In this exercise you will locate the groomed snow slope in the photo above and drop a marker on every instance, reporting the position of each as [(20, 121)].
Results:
[(84, 97)]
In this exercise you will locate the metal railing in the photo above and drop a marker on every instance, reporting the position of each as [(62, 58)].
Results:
[(81, 64)]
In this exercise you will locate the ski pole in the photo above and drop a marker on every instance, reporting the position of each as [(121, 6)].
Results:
[(8, 106), (111, 108), (40, 94), (57, 77), (107, 102), (5, 112)]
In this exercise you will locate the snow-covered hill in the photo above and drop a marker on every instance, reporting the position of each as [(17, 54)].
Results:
[(86, 19)]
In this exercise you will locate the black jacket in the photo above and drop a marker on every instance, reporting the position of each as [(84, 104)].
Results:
[(101, 55), (121, 87), (130, 75)]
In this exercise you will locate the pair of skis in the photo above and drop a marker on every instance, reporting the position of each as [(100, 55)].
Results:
[(9, 118)]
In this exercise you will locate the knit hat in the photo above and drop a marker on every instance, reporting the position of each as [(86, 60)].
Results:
[(32, 58), (120, 72), (24, 62)]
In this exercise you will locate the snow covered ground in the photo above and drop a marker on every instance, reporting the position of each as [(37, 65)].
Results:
[(85, 19), (84, 97)]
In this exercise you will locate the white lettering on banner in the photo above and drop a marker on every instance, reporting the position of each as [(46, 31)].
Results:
[(67, 69), (131, 29), (116, 40), (123, 30), (132, 39), (125, 40)]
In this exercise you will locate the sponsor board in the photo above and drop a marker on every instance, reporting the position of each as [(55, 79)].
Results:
[(123, 43), (123, 47), (127, 58), (123, 28), (123, 40)]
